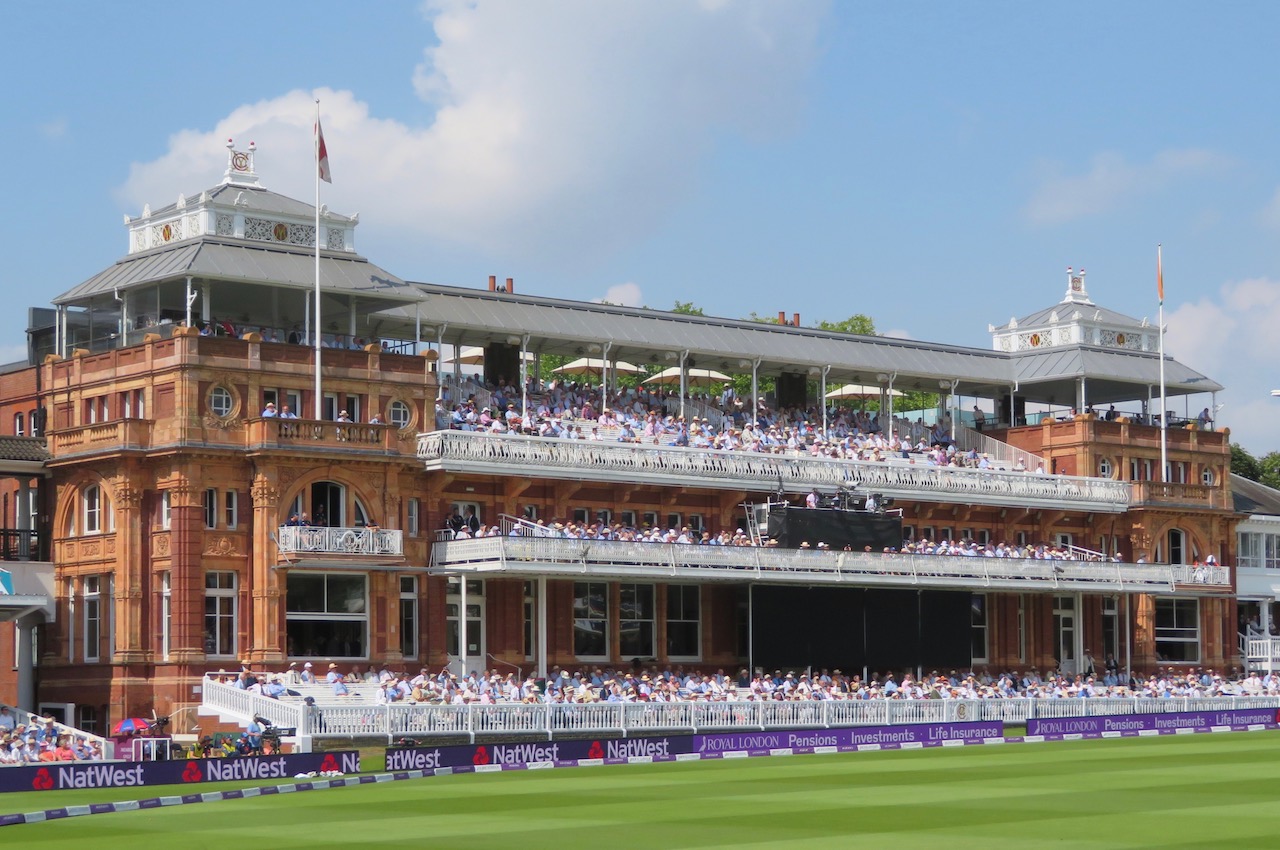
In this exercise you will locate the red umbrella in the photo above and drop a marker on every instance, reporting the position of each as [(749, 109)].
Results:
[(130, 725)]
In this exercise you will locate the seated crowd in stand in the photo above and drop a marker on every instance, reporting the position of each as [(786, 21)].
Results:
[(26, 739), (642, 416), (678, 684)]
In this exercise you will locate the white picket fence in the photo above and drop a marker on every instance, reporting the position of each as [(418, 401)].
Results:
[(401, 720)]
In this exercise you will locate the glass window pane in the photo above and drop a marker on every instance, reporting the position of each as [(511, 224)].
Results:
[(305, 593), (346, 595)]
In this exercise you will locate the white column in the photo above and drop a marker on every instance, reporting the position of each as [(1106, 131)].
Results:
[(206, 311), (542, 626), (24, 518), (26, 667), (462, 624)]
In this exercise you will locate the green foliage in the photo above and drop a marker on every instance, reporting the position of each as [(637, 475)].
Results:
[(1244, 464), (688, 308), (858, 323), (1270, 466)]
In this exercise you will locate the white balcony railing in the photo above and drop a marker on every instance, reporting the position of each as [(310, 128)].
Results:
[(556, 556), (321, 540), (611, 461), (346, 718), (1191, 574)]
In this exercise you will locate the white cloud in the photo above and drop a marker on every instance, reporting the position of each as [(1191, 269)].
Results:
[(626, 294), (1270, 214), (898, 333), (560, 130), (55, 129), (1231, 337), (1110, 182)]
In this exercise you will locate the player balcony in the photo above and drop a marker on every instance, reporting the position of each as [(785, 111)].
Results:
[(474, 452), (295, 543), (310, 435), (565, 558), (101, 438), (1180, 495)]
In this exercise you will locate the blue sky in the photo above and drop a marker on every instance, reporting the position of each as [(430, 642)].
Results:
[(936, 166)]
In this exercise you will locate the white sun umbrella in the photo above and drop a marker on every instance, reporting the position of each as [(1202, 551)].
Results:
[(695, 377), (593, 366), (860, 391)]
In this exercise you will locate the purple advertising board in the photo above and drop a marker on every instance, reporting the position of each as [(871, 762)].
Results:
[(136, 774), (670, 747), (1132, 724)]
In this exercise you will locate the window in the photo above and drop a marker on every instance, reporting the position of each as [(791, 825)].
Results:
[(674, 521), (1110, 625), (984, 536), (210, 508), (1178, 630), (166, 614), (946, 533), (409, 616), (230, 506), (530, 618), (966, 534), (270, 397), (1177, 549), (132, 405), (413, 512), (399, 414), (93, 509), (590, 619), (978, 645), (327, 615), (1105, 467), (1022, 538), (697, 523), (18, 425), (352, 407), (35, 418), (1063, 539), (220, 613), (329, 406), (628, 519), (580, 515), (635, 620), (926, 533), (650, 519), (87, 718), (92, 630), (684, 639), (1207, 478), (1259, 550), (221, 402), (474, 618), (165, 509), (604, 517)]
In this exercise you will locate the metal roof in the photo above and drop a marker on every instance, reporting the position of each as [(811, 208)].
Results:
[(1067, 309), (229, 259), (576, 328), (560, 326), (255, 199), (1251, 497)]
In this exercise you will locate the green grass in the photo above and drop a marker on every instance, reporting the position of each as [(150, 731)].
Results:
[(1170, 792)]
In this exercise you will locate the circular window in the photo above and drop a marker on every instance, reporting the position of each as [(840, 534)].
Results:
[(1207, 477), (221, 401), (399, 414), (1105, 469)]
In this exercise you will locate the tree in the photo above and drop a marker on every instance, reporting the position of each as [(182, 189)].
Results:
[(858, 323), (1244, 464), (688, 308), (1270, 465)]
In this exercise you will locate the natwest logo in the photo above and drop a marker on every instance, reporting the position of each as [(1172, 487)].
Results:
[(192, 772), (42, 781), (481, 756), (412, 759)]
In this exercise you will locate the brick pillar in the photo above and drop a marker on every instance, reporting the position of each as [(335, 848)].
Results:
[(131, 583), (266, 584), (186, 576), (1144, 633)]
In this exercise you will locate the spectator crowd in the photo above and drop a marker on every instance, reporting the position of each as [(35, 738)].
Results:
[(41, 740)]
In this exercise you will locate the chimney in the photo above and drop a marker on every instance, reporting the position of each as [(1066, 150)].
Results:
[(782, 317), (511, 284), (795, 320), (493, 283)]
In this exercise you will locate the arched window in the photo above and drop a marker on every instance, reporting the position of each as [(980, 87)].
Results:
[(1177, 547), (93, 510), (19, 429)]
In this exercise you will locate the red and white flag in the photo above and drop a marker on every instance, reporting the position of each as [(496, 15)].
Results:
[(322, 154)]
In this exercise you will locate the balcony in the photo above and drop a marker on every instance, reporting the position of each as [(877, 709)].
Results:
[(120, 435), (21, 544), (306, 435), (461, 451), (342, 543), (557, 557), (1180, 495)]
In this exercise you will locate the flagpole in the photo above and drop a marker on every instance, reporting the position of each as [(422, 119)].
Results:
[(1164, 406), (316, 324)]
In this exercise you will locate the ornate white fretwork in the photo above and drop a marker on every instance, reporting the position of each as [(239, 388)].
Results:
[(337, 239), (225, 225), (260, 229)]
